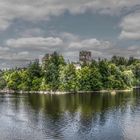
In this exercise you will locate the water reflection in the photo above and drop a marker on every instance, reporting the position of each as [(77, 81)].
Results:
[(74, 116)]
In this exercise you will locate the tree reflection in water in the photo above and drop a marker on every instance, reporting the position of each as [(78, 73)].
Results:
[(72, 116)]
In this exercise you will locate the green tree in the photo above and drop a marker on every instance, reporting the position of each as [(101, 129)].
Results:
[(105, 73), (128, 78), (34, 69), (89, 79), (2, 80), (68, 79), (14, 80), (33, 73), (36, 83), (26, 81), (118, 60), (52, 71), (136, 71)]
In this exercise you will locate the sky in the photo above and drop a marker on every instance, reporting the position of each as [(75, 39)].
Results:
[(31, 28)]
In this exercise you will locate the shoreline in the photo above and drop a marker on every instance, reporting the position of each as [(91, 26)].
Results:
[(63, 92)]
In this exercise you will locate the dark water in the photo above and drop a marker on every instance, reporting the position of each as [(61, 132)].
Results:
[(70, 117)]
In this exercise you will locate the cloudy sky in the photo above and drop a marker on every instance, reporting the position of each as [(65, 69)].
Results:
[(31, 28)]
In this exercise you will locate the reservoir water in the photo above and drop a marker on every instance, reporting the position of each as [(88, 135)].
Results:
[(88, 116)]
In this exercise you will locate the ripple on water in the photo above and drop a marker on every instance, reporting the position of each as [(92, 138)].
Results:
[(76, 117)]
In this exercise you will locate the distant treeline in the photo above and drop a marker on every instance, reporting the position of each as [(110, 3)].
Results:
[(57, 75)]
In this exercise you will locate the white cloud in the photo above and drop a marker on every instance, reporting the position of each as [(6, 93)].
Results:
[(34, 42), (31, 32), (4, 49), (25, 49), (35, 10), (68, 36), (131, 26), (99, 48), (90, 44), (65, 43)]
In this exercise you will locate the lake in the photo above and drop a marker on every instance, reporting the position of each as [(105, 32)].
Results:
[(89, 116)]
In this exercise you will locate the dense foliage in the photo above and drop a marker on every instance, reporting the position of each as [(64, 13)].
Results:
[(57, 75)]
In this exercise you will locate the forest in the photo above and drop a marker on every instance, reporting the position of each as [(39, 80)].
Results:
[(55, 74)]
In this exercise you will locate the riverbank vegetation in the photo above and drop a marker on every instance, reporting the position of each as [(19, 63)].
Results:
[(57, 75)]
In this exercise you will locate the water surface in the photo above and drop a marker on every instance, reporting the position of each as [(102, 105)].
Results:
[(88, 116)]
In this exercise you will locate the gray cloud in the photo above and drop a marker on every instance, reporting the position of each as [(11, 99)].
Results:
[(31, 32), (97, 47), (131, 26), (25, 49), (34, 42), (65, 43), (35, 10)]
